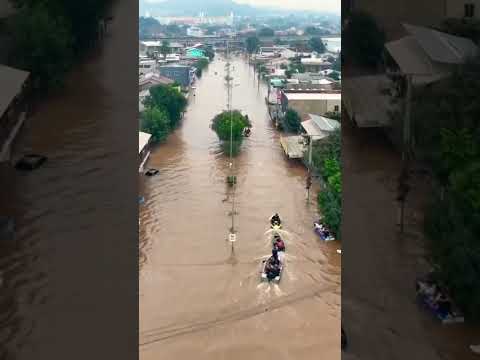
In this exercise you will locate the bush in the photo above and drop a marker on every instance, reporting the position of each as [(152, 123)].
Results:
[(169, 99), (155, 122), (364, 40)]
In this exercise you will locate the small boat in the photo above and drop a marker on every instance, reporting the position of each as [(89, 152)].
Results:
[(268, 277), (151, 172), (447, 315), (30, 162), (318, 228)]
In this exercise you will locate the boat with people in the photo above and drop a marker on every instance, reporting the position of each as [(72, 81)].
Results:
[(434, 297), (322, 231), (275, 222), (272, 267)]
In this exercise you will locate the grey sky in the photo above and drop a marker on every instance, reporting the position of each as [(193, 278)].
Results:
[(319, 5)]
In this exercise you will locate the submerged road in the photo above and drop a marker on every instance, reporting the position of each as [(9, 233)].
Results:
[(198, 297)]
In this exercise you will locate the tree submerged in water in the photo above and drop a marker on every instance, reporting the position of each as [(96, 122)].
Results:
[(229, 127)]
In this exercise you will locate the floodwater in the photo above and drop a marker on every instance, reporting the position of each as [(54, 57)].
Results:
[(380, 265), (72, 217), (201, 298)]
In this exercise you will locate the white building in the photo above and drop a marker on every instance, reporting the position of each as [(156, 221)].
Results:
[(147, 66), (318, 103), (195, 31)]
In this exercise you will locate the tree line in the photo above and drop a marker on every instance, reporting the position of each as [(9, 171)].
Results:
[(49, 35)]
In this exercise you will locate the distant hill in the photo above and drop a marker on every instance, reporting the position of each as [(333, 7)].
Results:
[(211, 7)]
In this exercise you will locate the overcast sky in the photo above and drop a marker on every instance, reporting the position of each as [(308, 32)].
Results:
[(318, 5)]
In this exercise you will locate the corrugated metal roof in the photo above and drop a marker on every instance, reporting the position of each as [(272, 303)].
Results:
[(323, 123), (313, 96), (442, 47), (12, 81)]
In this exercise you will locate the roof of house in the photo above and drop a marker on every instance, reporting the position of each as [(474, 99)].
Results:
[(323, 123), (412, 59), (314, 61), (12, 83), (143, 139), (154, 78), (443, 47), (313, 96)]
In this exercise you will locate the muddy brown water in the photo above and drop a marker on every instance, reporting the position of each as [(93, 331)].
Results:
[(74, 220), (198, 297)]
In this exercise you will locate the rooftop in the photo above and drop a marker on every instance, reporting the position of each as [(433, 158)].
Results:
[(143, 139), (313, 96), (12, 83)]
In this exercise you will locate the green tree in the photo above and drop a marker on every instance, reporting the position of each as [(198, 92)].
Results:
[(155, 122), (364, 40), (451, 149), (230, 125), (326, 158), (337, 64), (252, 43), (169, 99), (201, 65), (82, 17), (165, 48), (316, 44), (42, 45), (266, 32), (311, 30), (292, 121)]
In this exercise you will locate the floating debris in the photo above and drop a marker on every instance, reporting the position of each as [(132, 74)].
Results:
[(152, 172), (30, 162)]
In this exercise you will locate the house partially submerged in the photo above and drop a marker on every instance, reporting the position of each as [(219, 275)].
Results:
[(12, 109), (305, 103), (151, 79)]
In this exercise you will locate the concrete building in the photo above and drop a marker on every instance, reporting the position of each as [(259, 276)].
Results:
[(12, 107), (311, 103), (147, 66), (151, 79), (179, 73), (195, 32)]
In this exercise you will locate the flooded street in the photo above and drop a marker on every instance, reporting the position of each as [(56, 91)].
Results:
[(200, 298), (72, 217), (380, 266)]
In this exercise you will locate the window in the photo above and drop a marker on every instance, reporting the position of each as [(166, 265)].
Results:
[(469, 10), (336, 108)]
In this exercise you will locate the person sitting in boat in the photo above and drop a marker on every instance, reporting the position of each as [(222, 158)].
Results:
[(275, 220), (272, 268), (279, 245), (247, 132), (318, 226)]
